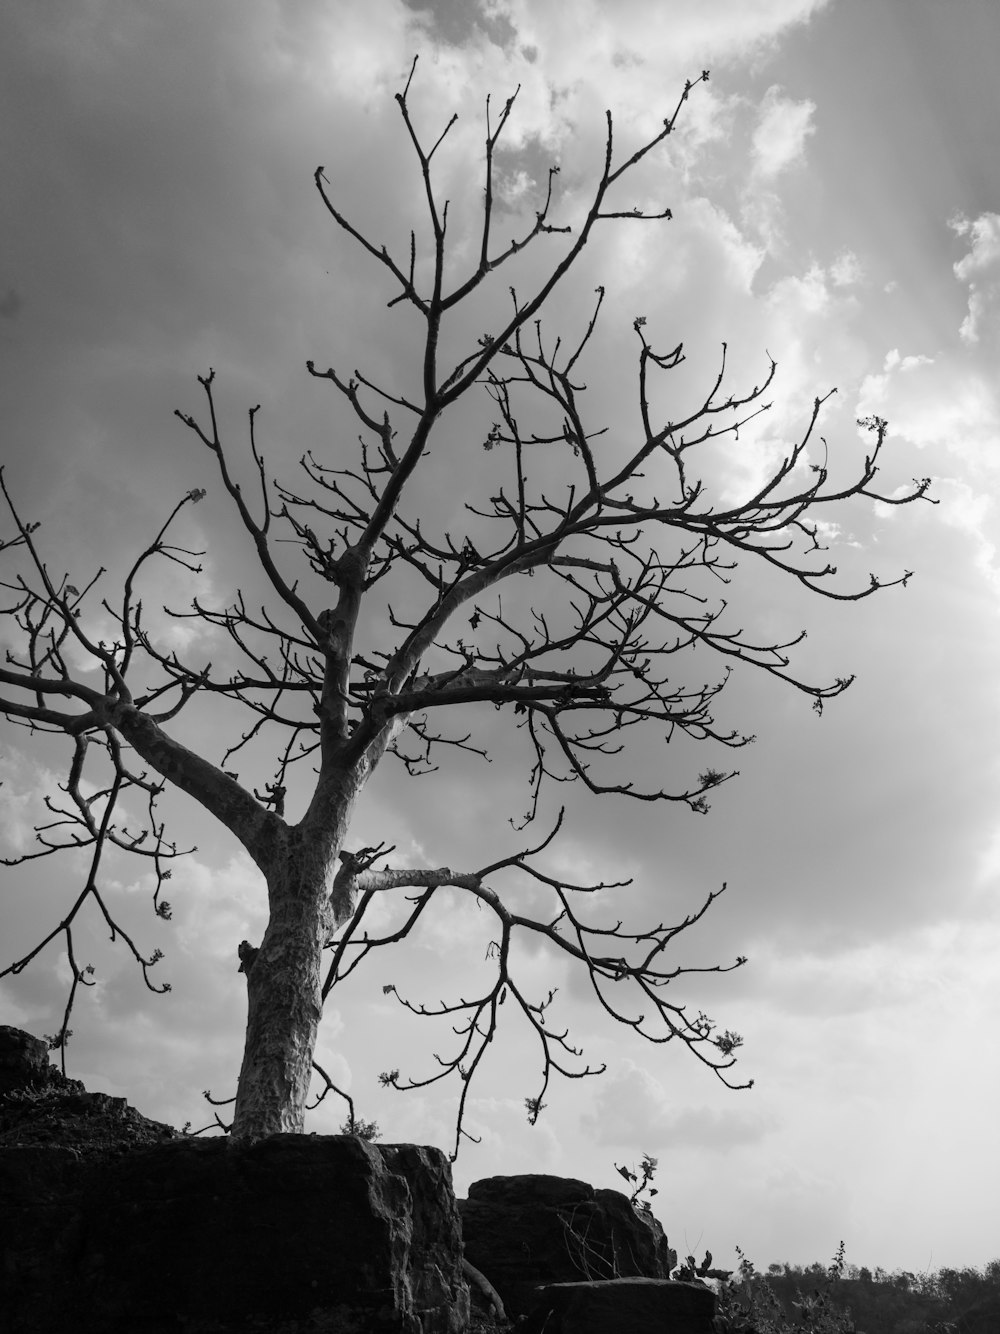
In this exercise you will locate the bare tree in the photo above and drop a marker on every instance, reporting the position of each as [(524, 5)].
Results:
[(625, 581)]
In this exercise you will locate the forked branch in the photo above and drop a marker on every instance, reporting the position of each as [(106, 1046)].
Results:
[(628, 970)]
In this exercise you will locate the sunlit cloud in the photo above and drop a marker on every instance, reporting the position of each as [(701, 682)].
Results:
[(783, 126), (980, 271), (945, 401), (846, 270)]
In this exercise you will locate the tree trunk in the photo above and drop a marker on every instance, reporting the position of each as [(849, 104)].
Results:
[(283, 989)]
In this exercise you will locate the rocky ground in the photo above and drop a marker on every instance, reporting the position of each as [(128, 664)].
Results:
[(39, 1108), (59, 1111), (64, 1113)]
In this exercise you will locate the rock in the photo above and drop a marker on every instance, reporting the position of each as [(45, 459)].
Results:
[(111, 1222), (24, 1060), (62, 1112), (219, 1234), (522, 1231), (622, 1306)]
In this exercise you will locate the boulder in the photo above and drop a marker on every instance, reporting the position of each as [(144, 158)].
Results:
[(111, 1222), (24, 1060), (317, 1232), (622, 1306), (523, 1231)]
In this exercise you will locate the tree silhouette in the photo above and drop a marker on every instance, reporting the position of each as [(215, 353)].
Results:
[(630, 553)]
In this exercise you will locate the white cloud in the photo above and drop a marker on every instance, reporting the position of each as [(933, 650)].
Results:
[(805, 320), (846, 270), (985, 253), (783, 126), (502, 1125), (631, 1108), (944, 404), (740, 257), (980, 270), (948, 405), (972, 513), (574, 61), (776, 144), (797, 296), (218, 906)]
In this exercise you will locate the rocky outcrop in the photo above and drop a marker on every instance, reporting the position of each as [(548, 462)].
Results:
[(114, 1223), (635, 1305), (24, 1060), (524, 1231), (39, 1106), (225, 1235), (94, 1124)]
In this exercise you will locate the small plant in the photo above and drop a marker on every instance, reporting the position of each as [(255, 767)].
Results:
[(691, 1271), (368, 1130), (641, 1181)]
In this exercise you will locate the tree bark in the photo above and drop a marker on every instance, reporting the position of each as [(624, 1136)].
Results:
[(284, 976), (283, 991)]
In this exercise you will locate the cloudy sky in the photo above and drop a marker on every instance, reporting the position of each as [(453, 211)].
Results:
[(836, 203)]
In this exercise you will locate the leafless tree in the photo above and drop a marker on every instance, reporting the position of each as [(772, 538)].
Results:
[(625, 582)]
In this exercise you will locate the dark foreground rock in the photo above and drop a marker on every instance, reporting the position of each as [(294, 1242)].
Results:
[(523, 1231), (293, 1231), (111, 1222), (622, 1306)]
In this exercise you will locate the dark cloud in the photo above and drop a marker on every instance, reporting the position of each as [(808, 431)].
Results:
[(457, 22)]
